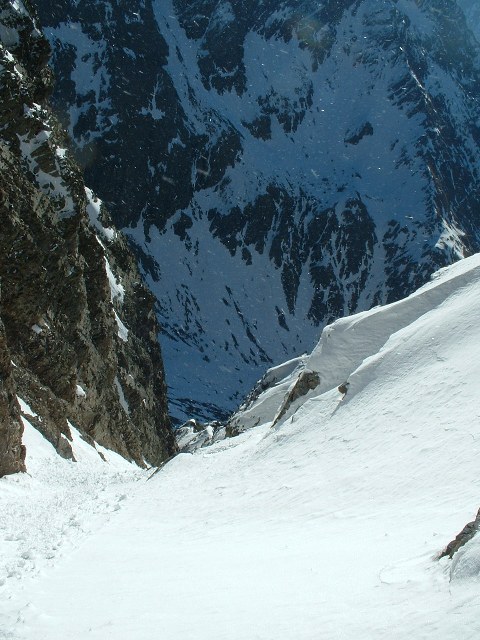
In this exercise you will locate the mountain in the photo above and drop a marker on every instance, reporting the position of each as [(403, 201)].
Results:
[(275, 165), (331, 518), (78, 331)]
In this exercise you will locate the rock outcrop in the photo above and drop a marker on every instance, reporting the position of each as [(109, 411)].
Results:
[(78, 339), (195, 435), (307, 381), (12, 452), (466, 534)]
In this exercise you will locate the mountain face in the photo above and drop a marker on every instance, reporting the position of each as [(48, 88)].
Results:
[(275, 164), (78, 333)]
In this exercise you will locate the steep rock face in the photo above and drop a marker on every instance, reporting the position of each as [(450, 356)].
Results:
[(12, 453), (79, 333), (276, 164)]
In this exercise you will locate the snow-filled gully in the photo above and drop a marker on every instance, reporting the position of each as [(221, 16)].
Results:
[(327, 526)]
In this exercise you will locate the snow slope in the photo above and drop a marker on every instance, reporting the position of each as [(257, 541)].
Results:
[(324, 526)]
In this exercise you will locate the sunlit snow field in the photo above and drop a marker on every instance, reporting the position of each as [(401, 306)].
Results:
[(325, 526)]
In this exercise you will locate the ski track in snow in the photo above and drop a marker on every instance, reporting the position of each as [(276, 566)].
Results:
[(326, 526), (49, 511)]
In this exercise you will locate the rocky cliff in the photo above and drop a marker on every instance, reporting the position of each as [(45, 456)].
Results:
[(275, 164), (78, 332)]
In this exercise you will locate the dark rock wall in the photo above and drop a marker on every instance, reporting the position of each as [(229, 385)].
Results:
[(78, 339), (12, 453)]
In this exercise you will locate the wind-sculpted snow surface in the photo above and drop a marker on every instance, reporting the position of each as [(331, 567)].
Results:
[(277, 165), (349, 349), (328, 524)]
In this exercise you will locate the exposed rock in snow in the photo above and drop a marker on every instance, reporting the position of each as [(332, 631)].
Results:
[(466, 561), (466, 534), (262, 402), (194, 435), (307, 381)]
